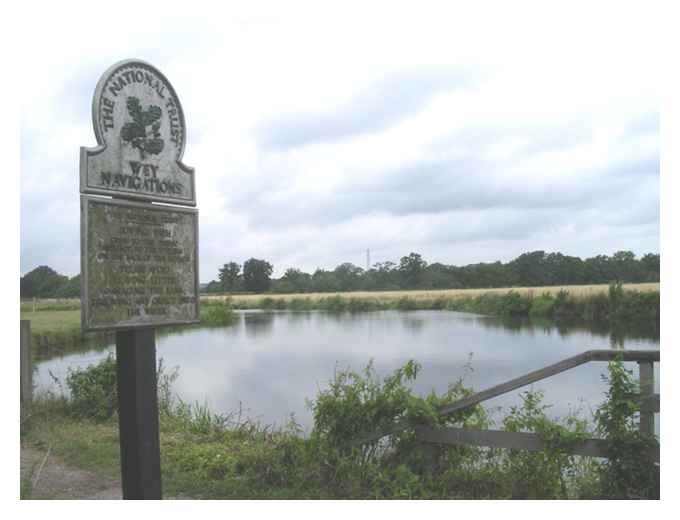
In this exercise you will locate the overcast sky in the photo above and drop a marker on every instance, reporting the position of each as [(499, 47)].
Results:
[(464, 135)]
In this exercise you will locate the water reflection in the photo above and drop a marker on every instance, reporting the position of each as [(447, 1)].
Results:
[(258, 323), (269, 362)]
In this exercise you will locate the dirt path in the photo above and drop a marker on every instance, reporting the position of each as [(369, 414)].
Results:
[(51, 478)]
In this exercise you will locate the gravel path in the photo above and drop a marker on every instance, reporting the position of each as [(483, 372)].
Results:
[(52, 479)]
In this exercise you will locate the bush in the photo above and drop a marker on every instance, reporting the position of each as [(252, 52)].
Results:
[(514, 304), (358, 405), (406, 304), (541, 474), (542, 307), (217, 313), (628, 471), (93, 390)]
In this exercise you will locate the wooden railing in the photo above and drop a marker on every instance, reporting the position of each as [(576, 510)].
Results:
[(649, 404)]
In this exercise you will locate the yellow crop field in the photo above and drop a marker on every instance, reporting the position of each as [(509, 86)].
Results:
[(574, 290)]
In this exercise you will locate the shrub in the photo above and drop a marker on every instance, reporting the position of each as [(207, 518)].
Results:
[(514, 304), (542, 307), (406, 304), (93, 390), (540, 474), (628, 471), (218, 313)]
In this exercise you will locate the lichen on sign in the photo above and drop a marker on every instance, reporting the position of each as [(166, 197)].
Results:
[(140, 264)]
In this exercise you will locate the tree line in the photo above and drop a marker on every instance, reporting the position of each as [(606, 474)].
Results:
[(45, 282), (536, 268)]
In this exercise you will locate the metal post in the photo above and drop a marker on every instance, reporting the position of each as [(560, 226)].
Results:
[(140, 459), (26, 370), (646, 395)]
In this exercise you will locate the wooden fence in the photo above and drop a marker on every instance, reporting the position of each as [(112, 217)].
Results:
[(649, 405)]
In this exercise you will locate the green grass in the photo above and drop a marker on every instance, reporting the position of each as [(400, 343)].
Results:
[(49, 322)]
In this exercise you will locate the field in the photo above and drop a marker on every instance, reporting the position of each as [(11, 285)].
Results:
[(574, 290), (44, 322), (65, 318)]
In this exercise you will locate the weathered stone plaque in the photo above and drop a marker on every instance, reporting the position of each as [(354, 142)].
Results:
[(139, 264), (139, 125)]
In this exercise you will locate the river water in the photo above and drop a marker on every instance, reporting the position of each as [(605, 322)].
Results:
[(269, 363)]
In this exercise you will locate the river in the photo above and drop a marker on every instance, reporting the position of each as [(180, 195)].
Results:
[(269, 363)]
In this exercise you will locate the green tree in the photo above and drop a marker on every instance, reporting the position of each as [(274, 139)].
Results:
[(228, 275), (348, 276), (70, 289), (650, 267), (529, 269), (625, 266), (294, 280), (412, 269), (325, 281), (257, 275), (42, 282)]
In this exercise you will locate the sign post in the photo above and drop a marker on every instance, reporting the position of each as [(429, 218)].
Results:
[(139, 260)]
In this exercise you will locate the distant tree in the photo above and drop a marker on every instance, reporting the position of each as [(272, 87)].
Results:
[(70, 289), (439, 276), (412, 268), (256, 275), (214, 287), (348, 276), (599, 269), (42, 282), (228, 276), (625, 267), (650, 267), (294, 280), (529, 269), (325, 281)]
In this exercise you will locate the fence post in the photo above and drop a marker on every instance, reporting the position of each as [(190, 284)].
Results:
[(431, 453), (646, 395), (26, 370)]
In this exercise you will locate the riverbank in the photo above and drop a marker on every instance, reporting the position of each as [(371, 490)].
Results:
[(56, 327), (55, 324), (620, 307), (205, 455)]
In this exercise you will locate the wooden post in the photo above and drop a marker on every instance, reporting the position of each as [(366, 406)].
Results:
[(26, 368), (646, 397), (140, 459), (431, 453)]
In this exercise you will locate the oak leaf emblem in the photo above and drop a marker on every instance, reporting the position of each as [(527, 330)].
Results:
[(136, 133)]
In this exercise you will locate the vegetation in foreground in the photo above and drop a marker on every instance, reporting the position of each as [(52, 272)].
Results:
[(206, 455)]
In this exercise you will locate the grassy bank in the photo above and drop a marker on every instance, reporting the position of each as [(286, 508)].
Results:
[(205, 455), (616, 305), (56, 328), (56, 323)]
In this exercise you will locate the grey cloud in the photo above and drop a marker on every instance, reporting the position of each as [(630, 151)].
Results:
[(379, 106), (433, 187)]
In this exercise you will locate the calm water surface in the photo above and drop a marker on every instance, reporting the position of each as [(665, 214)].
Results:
[(269, 362)]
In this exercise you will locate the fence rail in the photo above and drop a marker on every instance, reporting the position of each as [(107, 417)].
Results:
[(649, 404), (511, 440)]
